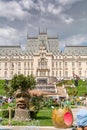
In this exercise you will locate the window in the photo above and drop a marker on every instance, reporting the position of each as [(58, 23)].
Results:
[(60, 74), (5, 65), (5, 73), (65, 64), (32, 72), (59, 64), (31, 64), (56, 64), (38, 64), (19, 65), (12, 65), (79, 73), (73, 64), (42, 63), (56, 73), (0, 65), (73, 73), (79, 64), (11, 73), (52, 64), (24, 64), (28, 72), (19, 72), (42, 73), (52, 73), (28, 65), (66, 73)]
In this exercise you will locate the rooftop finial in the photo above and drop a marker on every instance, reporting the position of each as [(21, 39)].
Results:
[(42, 30)]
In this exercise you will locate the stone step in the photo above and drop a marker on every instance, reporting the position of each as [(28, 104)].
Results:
[(61, 91)]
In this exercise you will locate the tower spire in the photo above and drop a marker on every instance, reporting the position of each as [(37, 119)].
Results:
[(42, 30)]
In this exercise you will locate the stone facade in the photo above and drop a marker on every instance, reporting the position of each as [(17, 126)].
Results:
[(42, 58)]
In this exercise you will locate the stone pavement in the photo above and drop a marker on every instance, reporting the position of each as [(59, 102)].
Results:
[(30, 128), (74, 111)]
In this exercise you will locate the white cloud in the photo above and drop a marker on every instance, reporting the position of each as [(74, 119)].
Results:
[(74, 40), (42, 8), (68, 2), (10, 36), (28, 4), (7, 32), (11, 10), (52, 9), (67, 19), (59, 11)]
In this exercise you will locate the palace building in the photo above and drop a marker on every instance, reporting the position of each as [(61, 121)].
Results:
[(43, 58)]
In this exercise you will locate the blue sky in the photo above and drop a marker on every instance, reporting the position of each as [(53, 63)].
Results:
[(66, 19)]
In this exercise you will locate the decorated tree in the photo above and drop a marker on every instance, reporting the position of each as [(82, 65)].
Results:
[(20, 86), (25, 82)]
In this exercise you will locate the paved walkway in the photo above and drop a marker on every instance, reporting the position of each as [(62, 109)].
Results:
[(74, 111), (30, 128)]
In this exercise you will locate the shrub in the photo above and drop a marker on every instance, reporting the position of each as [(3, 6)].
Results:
[(5, 114), (5, 108)]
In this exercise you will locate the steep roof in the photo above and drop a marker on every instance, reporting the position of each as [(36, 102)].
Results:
[(51, 43), (10, 50), (75, 50)]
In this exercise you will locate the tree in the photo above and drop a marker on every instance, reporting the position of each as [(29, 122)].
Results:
[(31, 82), (25, 82), (18, 80)]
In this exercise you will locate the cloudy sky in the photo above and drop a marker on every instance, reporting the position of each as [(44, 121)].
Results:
[(66, 19)]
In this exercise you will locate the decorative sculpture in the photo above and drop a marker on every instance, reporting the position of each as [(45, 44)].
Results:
[(22, 105), (22, 99), (62, 118)]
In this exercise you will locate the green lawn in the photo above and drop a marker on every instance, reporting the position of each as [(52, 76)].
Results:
[(80, 90), (43, 118)]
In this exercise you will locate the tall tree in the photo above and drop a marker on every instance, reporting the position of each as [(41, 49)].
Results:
[(25, 82)]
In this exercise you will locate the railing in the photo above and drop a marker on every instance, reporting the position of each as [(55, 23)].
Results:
[(9, 117), (31, 123)]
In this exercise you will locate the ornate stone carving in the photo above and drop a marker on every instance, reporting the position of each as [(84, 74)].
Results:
[(22, 105)]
